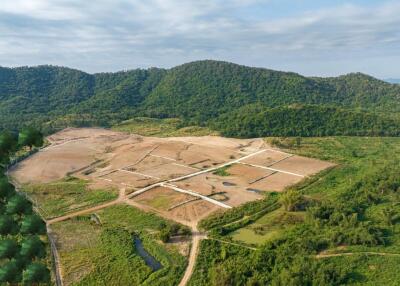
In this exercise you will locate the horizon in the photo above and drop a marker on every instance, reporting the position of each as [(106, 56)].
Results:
[(204, 60), (311, 38)]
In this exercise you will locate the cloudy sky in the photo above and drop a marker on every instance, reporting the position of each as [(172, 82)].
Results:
[(317, 37)]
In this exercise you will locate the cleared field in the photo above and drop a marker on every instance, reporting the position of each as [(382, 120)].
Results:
[(234, 187), (302, 165), (269, 157), (162, 198), (276, 182), (228, 172)]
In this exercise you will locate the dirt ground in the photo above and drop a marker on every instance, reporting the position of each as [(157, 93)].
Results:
[(302, 165), (162, 198), (130, 162)]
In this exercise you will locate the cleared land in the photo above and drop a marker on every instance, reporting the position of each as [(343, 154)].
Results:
[(139, 166)]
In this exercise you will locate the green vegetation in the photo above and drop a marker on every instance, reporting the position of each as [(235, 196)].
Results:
[(352, 208), (239, 101), (104, 253), (23, 244), (222, 171), (67, 195), (171, 127)]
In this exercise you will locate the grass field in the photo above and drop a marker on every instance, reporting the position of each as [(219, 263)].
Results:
[(93, 254), (161, 128), (268, 227), (67, 195)]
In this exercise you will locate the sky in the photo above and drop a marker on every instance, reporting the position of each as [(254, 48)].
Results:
[(318, 38)]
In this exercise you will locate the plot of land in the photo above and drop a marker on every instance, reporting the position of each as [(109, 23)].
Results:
[(182, 178)]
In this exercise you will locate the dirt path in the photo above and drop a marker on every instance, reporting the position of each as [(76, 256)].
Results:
[(56, 257), (196, 238), (321, 255)]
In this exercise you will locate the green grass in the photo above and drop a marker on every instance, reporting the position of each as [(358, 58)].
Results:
[(104, 255), (65, 196), (170, 127), (223, 172), (268, 227)]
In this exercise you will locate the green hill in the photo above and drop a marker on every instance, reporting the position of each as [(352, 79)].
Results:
[(200, 93)]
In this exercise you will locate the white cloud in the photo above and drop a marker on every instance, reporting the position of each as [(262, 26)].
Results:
[(116, 34)]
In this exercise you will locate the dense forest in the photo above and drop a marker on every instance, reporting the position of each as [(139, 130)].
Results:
[(203, 93)]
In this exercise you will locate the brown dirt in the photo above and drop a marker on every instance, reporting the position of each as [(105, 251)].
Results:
[(161, 198), (267, 158), (276, 182), (302, 165), (249, 173)]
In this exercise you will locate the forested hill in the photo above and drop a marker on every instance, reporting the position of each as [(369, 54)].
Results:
[(200, 93)]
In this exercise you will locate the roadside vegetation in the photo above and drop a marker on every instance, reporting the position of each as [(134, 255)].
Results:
[(24, 251), (103, 251), (67, 195), (352, 208)]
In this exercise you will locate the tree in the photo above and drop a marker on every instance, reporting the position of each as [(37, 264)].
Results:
[(36, 273), (18, 205), (291, 200), (8, 143), (389, 216), (32, 247), (7, 225), (6, 189), (165, 235), (9, 272), (30, 137), (33, 224), (8, 248)]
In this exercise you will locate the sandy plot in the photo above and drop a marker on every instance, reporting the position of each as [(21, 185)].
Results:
[(249, 173), (193, 211), (149, 163), (170, 149), (161, 198), (267, 158), (53, 164), (168, 171), (126, 178), (244, 145), (302, 165), (276, 182), (197, 154), (234, 188)]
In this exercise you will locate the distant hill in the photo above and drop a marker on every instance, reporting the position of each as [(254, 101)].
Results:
[(393, 80), (200, 93)]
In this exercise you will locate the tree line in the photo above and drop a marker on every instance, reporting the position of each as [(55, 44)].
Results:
[(22, 251)]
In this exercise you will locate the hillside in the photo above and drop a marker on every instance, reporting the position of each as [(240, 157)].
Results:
[(199, 93)]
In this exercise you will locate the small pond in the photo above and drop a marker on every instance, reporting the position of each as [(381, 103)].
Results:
[(147, 257)]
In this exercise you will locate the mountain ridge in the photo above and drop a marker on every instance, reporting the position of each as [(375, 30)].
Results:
[(199, 92)]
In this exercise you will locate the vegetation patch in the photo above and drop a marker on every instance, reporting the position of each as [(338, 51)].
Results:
[(352, 208), (93, 254), (171, 127), (67, 195)]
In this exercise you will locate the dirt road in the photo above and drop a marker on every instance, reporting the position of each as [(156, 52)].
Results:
[(196, 238)]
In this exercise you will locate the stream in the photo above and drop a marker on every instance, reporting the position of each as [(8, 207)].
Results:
[(150, 261)]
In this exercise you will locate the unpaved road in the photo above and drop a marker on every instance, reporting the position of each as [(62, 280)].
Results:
[(196, 238)]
